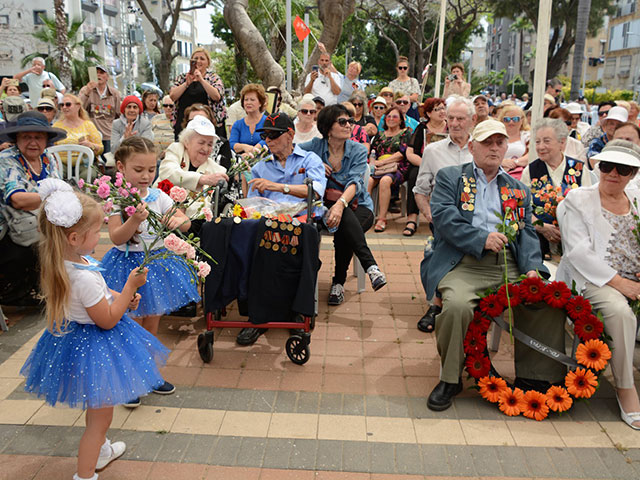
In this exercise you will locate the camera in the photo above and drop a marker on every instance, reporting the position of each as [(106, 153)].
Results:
[(453, 77)]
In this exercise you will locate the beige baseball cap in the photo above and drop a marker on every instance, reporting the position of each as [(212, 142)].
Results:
[(487, 128)]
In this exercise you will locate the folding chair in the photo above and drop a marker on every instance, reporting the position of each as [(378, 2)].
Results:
[(84, 156)]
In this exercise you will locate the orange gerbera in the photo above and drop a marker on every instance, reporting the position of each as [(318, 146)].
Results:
[(491, 388), (558, 399), (535, 405), (511, 402), (581, 383), (593, 354)]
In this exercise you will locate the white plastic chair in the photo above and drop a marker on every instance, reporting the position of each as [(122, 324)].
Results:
[(3, 321), (84, 156)]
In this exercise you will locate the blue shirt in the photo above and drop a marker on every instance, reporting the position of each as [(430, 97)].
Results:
[(487, 201), (347, 88), (410, 122), (354, 165), (596, 145), (240, 133), (299, 165)]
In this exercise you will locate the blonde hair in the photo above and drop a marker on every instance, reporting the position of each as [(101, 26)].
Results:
[(624, 104), (82, 113), (206, 54), (131, 146), (507, 108), (349, 106), (54, 279)]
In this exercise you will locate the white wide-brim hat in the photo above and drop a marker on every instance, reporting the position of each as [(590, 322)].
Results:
[(620, 155)]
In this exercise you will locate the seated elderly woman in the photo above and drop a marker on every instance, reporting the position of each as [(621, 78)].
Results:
[(187, 163), (306, 128), (22, 166), (131, 122), (221, 152), (553, 168), (349, 203), (602, 256)]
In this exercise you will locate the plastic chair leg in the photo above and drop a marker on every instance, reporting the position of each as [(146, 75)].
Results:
[(360, 274), (3, 321)]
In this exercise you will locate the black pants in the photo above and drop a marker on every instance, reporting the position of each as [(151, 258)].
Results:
[(412, 176), (545, 248), (19, 272), (350, 239)]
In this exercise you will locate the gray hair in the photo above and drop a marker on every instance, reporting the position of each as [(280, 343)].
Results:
[(560, 129), (360, 95), (454, 100), (165, 98), (185, 136), (38, 59)]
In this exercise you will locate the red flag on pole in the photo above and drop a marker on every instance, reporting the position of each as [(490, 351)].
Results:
[(302, 31)]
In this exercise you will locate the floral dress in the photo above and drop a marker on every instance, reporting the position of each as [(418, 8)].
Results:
[(383, 145), (195, 93)]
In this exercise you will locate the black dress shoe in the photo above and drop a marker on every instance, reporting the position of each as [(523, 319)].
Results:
[(428, 322), (442, 396), (248, 336)]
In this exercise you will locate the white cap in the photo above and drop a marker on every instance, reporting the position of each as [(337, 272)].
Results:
[(379, 100), (618, 113), (574, 108), (203, 126)]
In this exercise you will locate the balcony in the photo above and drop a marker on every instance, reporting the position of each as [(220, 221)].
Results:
[(90, 5)]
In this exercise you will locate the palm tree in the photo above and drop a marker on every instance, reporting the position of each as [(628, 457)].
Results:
[(582, 24), (76, 66), (64, 54)]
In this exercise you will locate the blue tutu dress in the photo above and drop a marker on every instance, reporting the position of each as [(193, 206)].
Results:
[(87, 366), (170, 283)]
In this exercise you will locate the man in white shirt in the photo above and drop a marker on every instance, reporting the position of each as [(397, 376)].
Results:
[(34, 76), (453, 150), (324, 82)]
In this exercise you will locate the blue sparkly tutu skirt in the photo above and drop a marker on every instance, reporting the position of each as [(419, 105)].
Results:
[(89, 367), (170, 284)]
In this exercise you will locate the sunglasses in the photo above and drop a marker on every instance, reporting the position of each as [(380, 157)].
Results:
[(67, 104), (378, 107), (271, 135), (558, 91), (602, 114), (403, 68), (357, 104), (511, 119), (343, 122), (623, 170), (45, 109), (304, 111), (386, 94), (397, 117), (168, 105), (402, 102), (568, 123)]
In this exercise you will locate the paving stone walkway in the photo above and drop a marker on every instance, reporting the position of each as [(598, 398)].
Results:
[(355, 411)]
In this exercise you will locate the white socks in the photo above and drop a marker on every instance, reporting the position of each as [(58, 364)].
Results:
[(105, 449), (76, 477)]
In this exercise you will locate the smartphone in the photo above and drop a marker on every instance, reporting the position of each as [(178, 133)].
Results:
[(193, 67), (453, 77), (13, 82), (315, 68)]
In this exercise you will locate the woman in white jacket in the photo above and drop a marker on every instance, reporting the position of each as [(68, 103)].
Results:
[(602, 256)]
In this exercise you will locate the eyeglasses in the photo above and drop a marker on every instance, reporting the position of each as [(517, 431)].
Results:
[(378, 107), (397, 117), (402, 67), (402, 102), (602, 114), (168, 105), (511, 119), (271, 135), (357, 104), (386, 94), (568, 123), (304, 111), (558, 90), (623, 170), (343, 122), (441, 108), (45, 109), (67, 104)]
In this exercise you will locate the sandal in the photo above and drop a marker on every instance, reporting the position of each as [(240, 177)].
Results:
[(409, 229), (381, 225)]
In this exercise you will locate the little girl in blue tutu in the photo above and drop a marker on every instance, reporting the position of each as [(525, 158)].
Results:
[(170, 284), (92, 356)]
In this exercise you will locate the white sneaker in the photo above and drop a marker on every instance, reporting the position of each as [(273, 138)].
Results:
[(109, 452)]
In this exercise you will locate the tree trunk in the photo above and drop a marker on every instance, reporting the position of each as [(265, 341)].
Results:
[(584, 9), (332, 14), (165, 44), (64, 56), (252, 43), (241, 67)]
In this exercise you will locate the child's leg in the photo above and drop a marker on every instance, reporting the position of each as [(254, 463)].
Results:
[(150, 323), (95, 432)]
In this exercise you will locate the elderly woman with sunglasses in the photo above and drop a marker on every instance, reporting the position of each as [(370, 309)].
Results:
[(517, 127), (306, 128), (602, 257), (162, 126), (359, 101), (553, 168), (346, 196)]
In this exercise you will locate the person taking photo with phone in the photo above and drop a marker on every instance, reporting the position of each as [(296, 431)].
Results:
[(323, 81)]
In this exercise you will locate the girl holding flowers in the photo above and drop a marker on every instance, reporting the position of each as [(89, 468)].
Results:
[(92, 356), (170, 284)]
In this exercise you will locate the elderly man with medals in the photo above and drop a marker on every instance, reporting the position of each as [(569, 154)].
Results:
[(468, 258)]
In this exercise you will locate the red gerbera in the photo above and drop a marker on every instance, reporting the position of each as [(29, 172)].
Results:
[(474, 341), (165, 186), (578, 307), (588, 327), (481, 322), (491, 305), (557, 294), (532, 290), (514, 295), (477, 365)]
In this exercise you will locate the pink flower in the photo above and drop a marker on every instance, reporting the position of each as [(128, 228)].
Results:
[(95, 182), (130, 210), (118, 182), (204, 269), (123, 192), (128, 185), (103, 190), (80, 183), (119, 175), (208, 214), (191, 252), (107, 207), (134, 191), (106, 219), (176, 244), (178, 194), (104, 179)]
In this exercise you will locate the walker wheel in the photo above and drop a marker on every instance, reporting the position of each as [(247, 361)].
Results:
[(298, 350), (205, 346)]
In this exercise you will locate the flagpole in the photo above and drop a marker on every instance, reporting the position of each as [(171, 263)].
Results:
[(305, 56), (289, 45), (443, 10)]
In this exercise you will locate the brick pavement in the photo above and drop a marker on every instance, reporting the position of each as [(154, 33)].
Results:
[(355, 411)]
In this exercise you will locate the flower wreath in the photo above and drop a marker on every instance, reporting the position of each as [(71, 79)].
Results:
[(591, 354)]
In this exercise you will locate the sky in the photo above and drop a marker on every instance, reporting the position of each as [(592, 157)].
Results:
[(204, 25)]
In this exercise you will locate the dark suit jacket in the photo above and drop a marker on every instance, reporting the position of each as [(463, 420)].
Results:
[(455, 236)]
